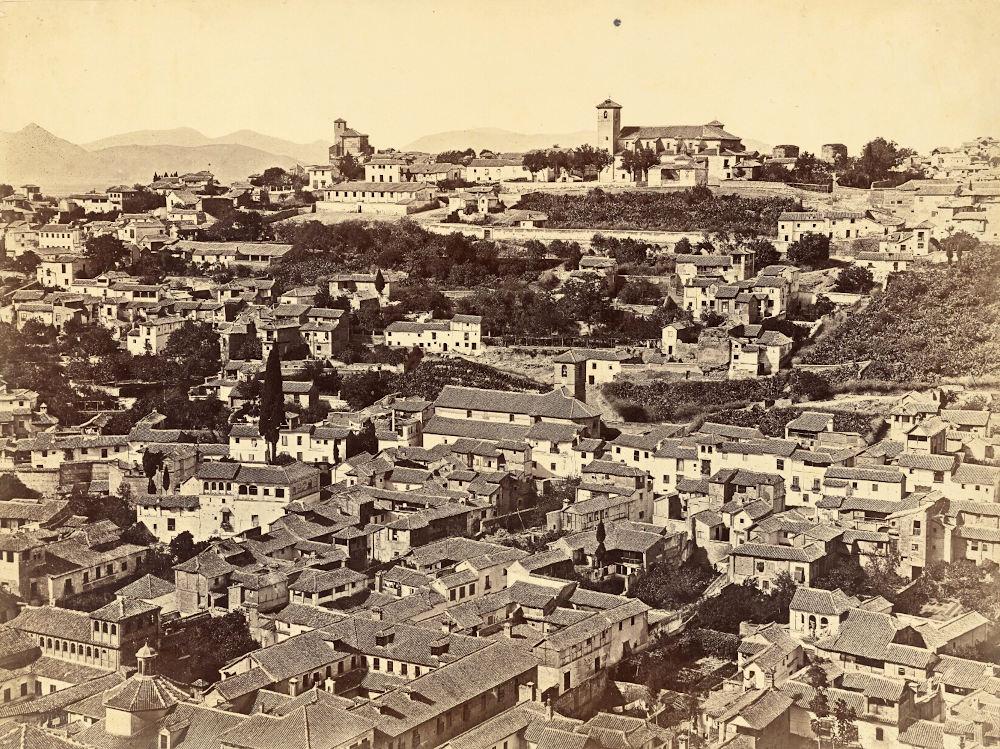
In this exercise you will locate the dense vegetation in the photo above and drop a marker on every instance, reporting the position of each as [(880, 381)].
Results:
[(320, 250), (681, 400), (427, 380), (66, 368), (930, 323), (730, 401), (697, 209)]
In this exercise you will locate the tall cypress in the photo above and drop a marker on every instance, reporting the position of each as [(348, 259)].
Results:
[(272, 402)]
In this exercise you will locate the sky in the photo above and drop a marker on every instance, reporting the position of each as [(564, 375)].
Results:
[(921, 72)]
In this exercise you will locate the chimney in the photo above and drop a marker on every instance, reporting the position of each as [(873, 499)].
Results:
[(293, 686), (439, 647)]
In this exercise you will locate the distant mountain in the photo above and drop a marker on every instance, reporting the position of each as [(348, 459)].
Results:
[(498, 140), (33, 154), (756, 145), (307, 153)]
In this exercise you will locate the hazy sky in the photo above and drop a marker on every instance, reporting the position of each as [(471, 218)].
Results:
[(923, 73)]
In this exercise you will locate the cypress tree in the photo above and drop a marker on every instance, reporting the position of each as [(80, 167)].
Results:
[(272, 402)]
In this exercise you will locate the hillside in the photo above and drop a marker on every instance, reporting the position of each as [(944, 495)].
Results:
[(33, 154), (497, 140), (697, 209), (307, 153), (930, 323)]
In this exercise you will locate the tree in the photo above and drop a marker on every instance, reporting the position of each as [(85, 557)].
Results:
[(819, 705), (351, 169), (80, 339), (272, 402), (183, 547), (152, 461), (26, 263), (637, 162), (96, 507), (712, 319), (535, 161), (195, 349), (6, 190), (456, 157), (106, 252), (812, 250), (233, 225), (601, 551), (205, 646), (249, 348), (854, 280), (959, 243), (816, 675), (365, 441), (846, 733), (806, 385), (273, 176), (765, 253)]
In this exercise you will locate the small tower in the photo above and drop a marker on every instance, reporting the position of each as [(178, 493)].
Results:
[(609, 125), (146, 658), (571, 372)]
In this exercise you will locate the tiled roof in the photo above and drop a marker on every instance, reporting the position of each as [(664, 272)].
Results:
[(887, 475), (146, 587), (810, 553), (554, 404), (122, 608), (970, 473), (320, 724), (140, 693), (57, 622), (810, 421)]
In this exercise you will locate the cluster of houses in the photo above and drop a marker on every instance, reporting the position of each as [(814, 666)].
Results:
[(384, 614), (379, 556)]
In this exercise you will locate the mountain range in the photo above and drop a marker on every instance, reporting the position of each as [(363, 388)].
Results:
[(307, 153), (33, 154)]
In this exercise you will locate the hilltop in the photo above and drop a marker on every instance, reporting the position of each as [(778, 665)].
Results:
[(930, 323), (33, 154)]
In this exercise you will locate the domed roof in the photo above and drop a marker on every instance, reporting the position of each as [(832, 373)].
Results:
[(140, 693)]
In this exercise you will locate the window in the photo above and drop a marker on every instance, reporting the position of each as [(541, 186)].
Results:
[(879, 734), (916, 527), (171, 524)]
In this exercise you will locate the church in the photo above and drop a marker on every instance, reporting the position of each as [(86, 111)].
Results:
[(689, 155)]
